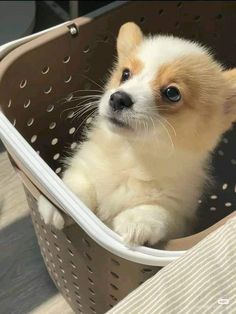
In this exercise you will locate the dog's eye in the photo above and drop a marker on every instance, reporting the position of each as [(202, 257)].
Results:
[(125, 75), (172, 93)]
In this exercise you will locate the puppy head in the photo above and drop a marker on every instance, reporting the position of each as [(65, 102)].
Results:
[(168, 89)]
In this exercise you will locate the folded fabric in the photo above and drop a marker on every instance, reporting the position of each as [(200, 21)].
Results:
[(201, 281)]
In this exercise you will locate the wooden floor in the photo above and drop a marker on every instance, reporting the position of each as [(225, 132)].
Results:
[(25, 286)]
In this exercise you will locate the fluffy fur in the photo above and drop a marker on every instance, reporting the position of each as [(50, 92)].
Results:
[(143, 179)]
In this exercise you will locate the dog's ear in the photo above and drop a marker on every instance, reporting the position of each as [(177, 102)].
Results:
[(129, 37), (230, 103)]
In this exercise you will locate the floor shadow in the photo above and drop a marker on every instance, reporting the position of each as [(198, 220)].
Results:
[(25, 283)]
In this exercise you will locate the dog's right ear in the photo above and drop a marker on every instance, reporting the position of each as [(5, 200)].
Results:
[(129, 37)]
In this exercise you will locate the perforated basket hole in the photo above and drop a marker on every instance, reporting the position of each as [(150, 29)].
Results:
[(86, 242), (114, 287), (115, 262), (23, 83), (56, 156), (114, 275), (220, 152), (228, 204), (92, 300), (233, 162), (57, 247), (69, 97), (66, 59), (179, 4), (74, 275), (113, 298), (59, 259), (225, 140), (77, 294), (73, 145), (68, 79), (50, 108), (33, 139), (73, 265), (224, 186), (91, 291), (90, 270), (30, 121), (106, 38), (70, 115), (52, 125), (213, 197), (92, 309), (72, 130), (9, 103), (142, 19), (89, 120), (27, 103), (14, 122), (47, 242), (58, 170), (212, 208), (62, 270), (45, 69), (146, 270), (88, 256), (160, 12), (48, 90), (54, 234), (71, 252), (90, 281), (54, 141), (76, 285), (197, 18), (78, 301), (86, 49)]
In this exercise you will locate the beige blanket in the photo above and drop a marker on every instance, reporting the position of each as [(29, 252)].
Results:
[(201, 281)]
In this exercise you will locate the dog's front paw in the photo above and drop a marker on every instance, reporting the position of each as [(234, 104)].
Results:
[(50, 214), (136, 229)]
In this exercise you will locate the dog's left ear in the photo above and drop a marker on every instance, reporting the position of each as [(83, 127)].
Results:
[(129, 37), (230, 103)]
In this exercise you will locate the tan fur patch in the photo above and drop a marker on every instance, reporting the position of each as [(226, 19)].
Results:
[(129, 37), (203, 89), (132, 63)]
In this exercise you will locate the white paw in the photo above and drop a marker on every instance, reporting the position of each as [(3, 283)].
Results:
[(137, 230), (49, 214)]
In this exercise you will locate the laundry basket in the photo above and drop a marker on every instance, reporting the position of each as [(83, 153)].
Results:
[(38, 79)]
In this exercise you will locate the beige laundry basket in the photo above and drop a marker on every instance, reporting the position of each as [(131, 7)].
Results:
[(34, 79)]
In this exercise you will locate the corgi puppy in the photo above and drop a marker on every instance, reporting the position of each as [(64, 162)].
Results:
[(146, 160)]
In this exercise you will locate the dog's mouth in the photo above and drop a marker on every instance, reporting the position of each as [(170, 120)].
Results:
[(118, 123)]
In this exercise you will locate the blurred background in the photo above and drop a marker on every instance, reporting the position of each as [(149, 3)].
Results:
[(21, 18)]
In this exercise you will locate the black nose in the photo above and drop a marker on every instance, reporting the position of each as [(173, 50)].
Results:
[(120, 100)]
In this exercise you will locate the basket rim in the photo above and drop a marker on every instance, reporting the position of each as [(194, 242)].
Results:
[(33, 165)]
